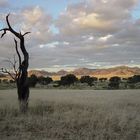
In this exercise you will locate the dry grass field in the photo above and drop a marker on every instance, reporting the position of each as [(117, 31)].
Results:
[(72, 115)]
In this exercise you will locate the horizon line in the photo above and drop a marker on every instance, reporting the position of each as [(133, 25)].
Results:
[(51, 69)]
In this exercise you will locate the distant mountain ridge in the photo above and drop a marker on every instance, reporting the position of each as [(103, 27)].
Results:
[(123, 71)]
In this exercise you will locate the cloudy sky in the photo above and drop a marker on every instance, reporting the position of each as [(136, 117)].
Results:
[(67, 34)]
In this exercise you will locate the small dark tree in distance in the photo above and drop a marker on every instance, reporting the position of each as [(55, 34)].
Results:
[(33, 80), (11, 81), (114, 82), (68, 80), (21, 73), (131, 81), (134, 79), (102, 79), (44, 80), (5, 81), (89, 80)]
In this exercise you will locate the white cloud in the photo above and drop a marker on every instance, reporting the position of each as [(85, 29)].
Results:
[(105, 38), (91, 38), (33, 16), (52, 45), (42, 46), (38, 22), (92, 21), (66, 43)]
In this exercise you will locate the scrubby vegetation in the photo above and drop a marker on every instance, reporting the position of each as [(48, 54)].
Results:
[(70, 81), (114, 82)]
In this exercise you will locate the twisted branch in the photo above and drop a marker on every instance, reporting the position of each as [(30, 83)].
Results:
[(4, 70), (18, 35)]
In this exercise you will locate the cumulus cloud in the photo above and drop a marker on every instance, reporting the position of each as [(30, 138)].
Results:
[(38, 22), (91, 21), (33, 15), (96, 15)]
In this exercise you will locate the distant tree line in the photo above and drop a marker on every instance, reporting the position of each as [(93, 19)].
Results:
[(70, 79), (33, 80)]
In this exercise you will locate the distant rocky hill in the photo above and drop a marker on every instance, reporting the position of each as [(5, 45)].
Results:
[(83, 71), (39, 73), (122, 71)]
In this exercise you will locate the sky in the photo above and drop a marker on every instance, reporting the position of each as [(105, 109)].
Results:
[(69, 34)]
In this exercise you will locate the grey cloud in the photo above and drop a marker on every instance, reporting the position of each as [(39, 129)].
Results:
[(4, 3)]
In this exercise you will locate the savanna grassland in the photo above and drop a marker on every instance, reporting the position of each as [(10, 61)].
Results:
[(71, 115)]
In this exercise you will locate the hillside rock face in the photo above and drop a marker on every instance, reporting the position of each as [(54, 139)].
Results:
[(38, 73), (82, 71), (61, 72), (123, 71)]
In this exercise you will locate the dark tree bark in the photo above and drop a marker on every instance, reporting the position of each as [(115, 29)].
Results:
[(21, 73)]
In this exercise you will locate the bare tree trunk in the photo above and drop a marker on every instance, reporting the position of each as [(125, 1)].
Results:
[(23, 89), (23, 97), (23, 86), (21, 76)]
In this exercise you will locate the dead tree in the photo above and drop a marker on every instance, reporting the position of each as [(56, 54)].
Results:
[(21, 73)]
